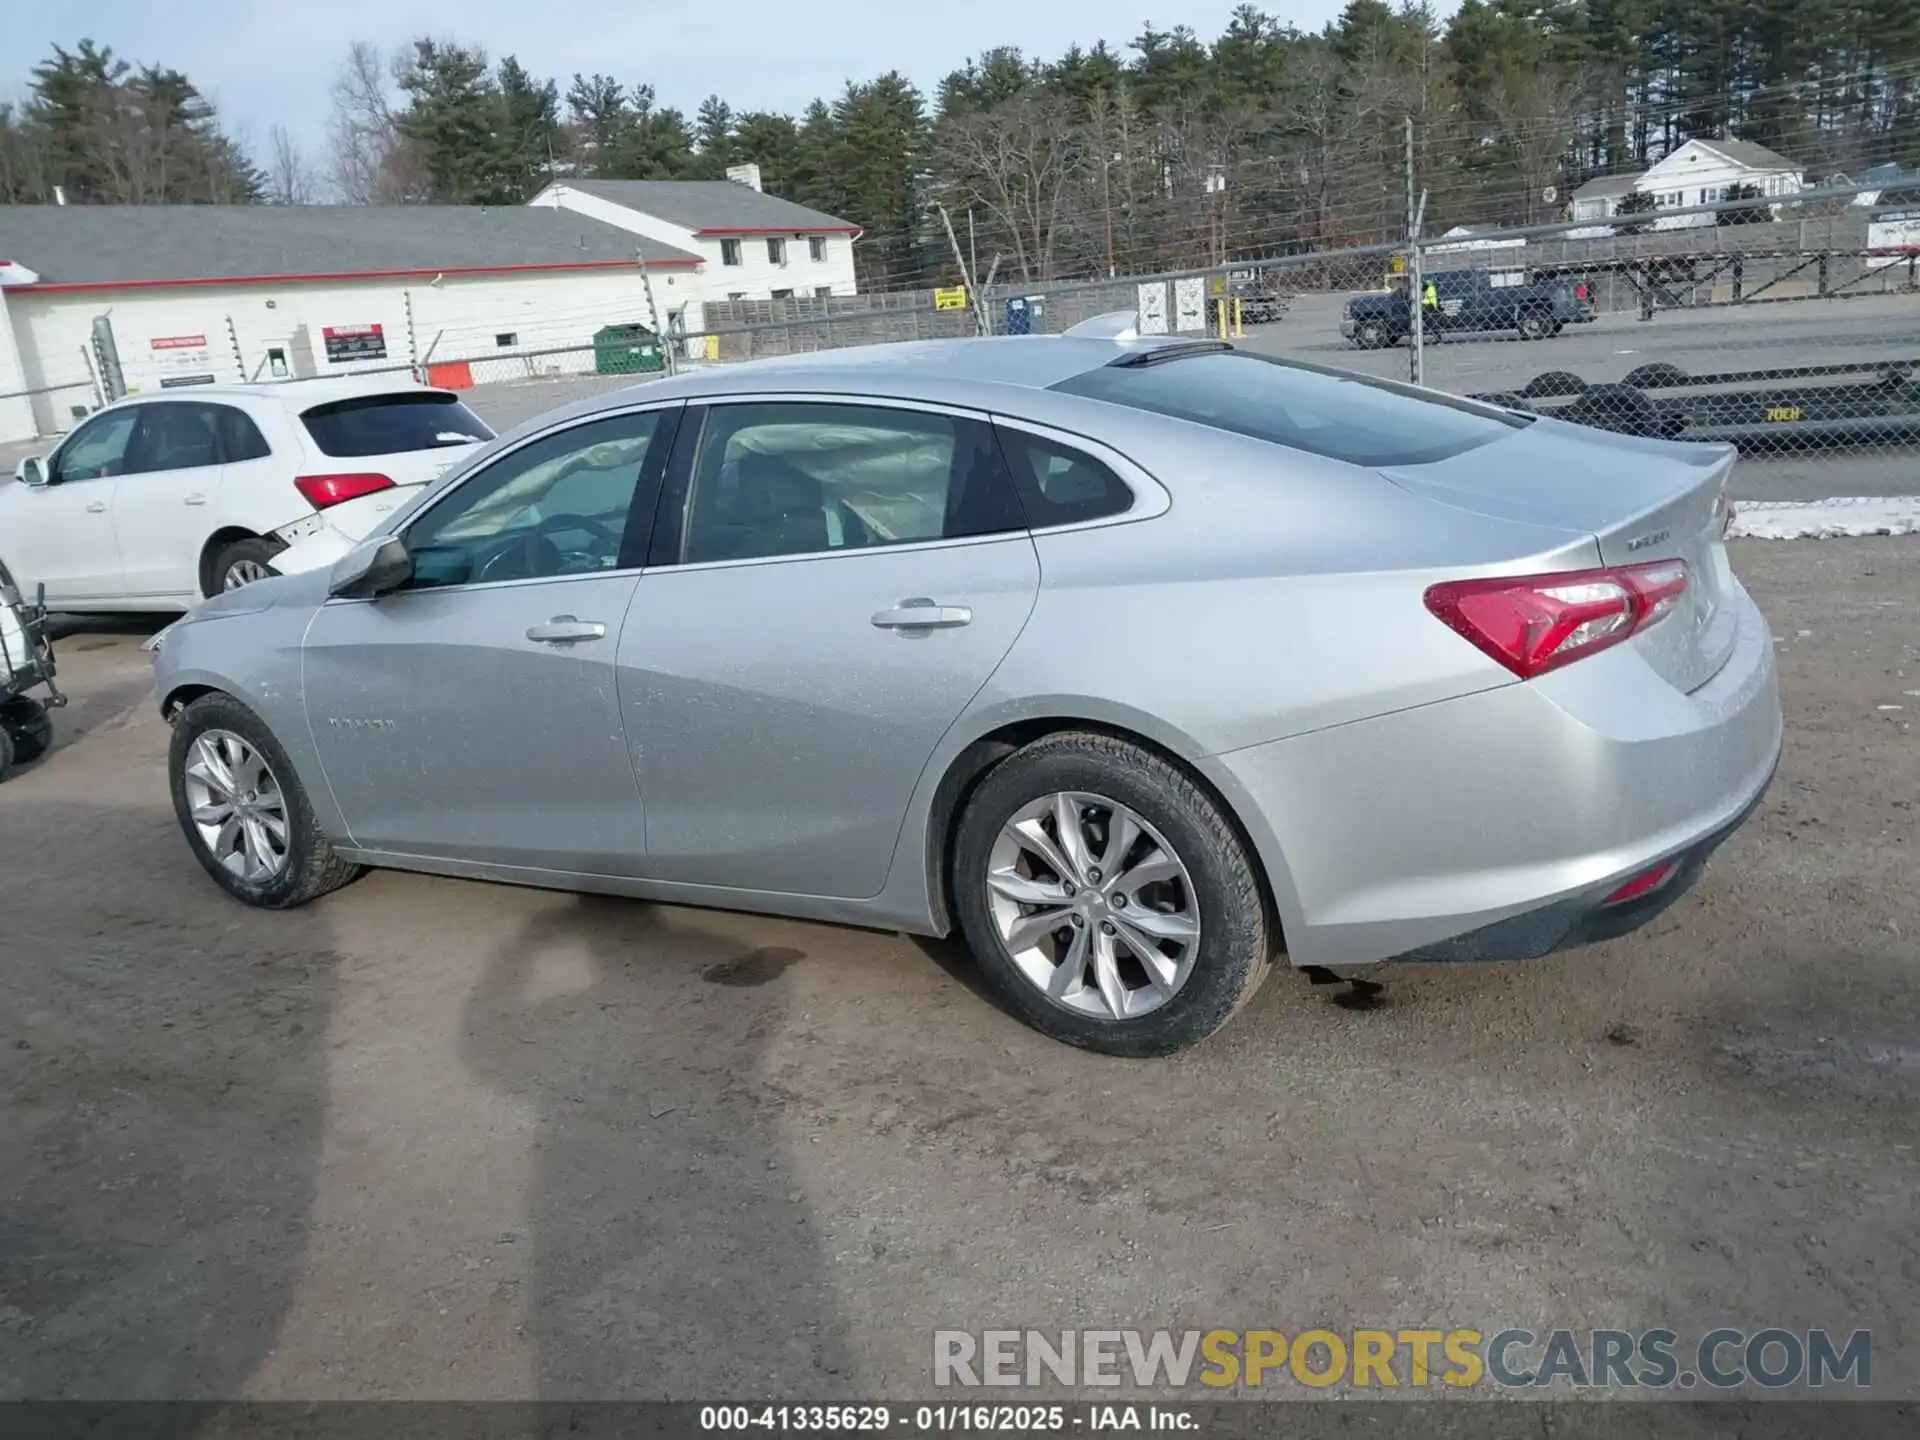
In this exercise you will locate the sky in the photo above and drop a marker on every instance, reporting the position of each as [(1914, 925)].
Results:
[(268, 62)]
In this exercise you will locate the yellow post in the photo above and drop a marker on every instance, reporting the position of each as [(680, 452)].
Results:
[(1239, 331), (1220, 314)]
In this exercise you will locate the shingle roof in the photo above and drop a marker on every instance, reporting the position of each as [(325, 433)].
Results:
[(118, 244), (1745, 152), (1602, 186), (715, 206)]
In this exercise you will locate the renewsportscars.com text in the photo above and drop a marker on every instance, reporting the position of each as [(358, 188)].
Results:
[(1723, 1359)]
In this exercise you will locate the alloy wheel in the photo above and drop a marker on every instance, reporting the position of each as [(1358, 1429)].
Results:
[(237, 805), (1095, 908), (243, 572)]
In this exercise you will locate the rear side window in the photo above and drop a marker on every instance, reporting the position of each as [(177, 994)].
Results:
[(1058, 485), (240, 438), (392, 424), (1323, 412)]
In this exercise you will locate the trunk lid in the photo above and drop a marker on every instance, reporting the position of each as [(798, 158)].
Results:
[(1640, 499)]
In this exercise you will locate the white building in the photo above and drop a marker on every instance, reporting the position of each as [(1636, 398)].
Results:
[(199, 294), (755, 246), (1700, 172)]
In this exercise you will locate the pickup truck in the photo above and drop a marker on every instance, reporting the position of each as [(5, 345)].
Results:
[(1470, 300)]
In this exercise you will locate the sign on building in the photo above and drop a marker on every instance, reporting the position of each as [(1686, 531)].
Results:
[(1190, 304), (954, 298), (181, 360), (348, 343), (1152, 310)]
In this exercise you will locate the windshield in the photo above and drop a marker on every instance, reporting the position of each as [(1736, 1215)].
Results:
[(1323, 412), (393, 424)]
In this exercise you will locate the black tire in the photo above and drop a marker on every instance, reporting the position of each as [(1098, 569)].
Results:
[(1371, 336), (1532, 325), (311, 869), (1554, 382), (1656, 376), (1620, 408), (6, 755), (241, 552), (28, 728), (1237, 939)]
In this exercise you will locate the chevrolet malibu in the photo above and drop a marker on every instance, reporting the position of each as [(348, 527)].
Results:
[(1146, 664)]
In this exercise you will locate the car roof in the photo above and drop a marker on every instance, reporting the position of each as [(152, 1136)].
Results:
[(994, 369), (293, 394)]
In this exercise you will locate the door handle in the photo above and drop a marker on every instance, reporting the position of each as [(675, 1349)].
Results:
[(96, 507), (564, 630), (921, 613), (196, 499)]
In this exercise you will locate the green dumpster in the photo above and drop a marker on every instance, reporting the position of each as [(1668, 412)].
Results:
[(627, 350)]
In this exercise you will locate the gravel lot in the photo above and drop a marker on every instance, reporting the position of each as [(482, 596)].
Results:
[(431, 1138)]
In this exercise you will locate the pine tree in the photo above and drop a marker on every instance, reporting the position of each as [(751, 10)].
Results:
[(455, 124)]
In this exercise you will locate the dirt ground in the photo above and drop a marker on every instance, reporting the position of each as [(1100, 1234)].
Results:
[(429, 1138)]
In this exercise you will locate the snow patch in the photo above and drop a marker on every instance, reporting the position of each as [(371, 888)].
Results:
[(1826, 519)]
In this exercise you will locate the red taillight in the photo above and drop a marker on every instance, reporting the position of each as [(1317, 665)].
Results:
[(324, 490), (1645, 883), (1535, 623), (1580, 292)]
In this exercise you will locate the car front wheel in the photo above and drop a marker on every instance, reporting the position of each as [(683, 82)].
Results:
[(243, 810), (1108, 898)]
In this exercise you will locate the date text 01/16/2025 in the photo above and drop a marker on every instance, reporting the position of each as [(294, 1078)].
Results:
[(946, 1419)]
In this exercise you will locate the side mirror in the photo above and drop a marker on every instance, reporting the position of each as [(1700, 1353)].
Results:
[(372, 568), (31, 471)]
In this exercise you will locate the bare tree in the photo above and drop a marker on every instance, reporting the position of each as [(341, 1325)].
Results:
[(1537, 112), (1322, 131), (128, 140), (290, 179), (1018, 162), (368, 159)]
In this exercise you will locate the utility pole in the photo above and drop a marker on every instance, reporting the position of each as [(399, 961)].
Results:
[(1106, 199)]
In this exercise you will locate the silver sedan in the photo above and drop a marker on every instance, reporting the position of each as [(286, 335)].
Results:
[(1145, 663)]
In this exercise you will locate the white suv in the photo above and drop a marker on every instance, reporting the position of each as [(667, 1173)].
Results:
[(157, 501)]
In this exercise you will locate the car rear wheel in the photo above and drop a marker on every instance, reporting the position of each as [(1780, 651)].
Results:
[(242, 563), (1532, 325), (28, 728), (1372, 335), (1108, 898), (243, 810)]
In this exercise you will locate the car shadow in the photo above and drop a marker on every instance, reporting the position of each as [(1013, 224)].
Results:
[(675, 1253)]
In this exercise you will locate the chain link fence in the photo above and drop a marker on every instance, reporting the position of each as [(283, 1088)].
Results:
[(1787, 327)]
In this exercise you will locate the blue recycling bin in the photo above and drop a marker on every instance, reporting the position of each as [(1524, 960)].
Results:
[(1025, 314)]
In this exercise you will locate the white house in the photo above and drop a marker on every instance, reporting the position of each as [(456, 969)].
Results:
[(1601, 196), (198, 294), (755, 246), (1700, 172)]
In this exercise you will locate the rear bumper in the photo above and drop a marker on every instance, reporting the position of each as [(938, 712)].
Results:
[(1496, 824), (326, 535), (1587, 919)]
